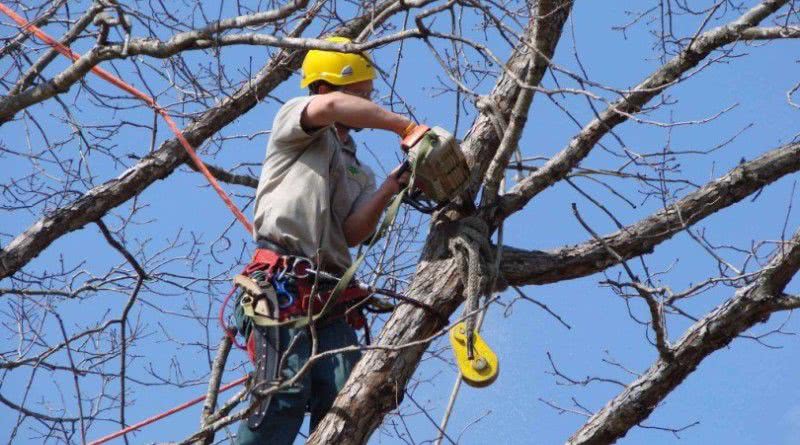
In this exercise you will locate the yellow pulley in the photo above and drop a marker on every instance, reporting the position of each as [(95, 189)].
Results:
[(483, 368)]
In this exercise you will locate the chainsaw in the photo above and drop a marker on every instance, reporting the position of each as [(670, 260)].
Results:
[(439, 166)]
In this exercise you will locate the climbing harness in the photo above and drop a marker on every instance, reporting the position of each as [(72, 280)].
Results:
[(279, 291), (313, 300), (286, 291)]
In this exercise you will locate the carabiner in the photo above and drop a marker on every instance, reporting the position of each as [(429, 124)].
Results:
[(285, 296), (298, 261), (282, 271)]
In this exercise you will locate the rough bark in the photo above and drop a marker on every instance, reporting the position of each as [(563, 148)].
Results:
[(377, 384), (38, 67)]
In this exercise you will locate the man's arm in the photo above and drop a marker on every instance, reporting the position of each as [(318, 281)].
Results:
[(362, 222), (352, 111)]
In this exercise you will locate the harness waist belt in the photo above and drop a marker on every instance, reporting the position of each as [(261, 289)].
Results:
[(299, 270)]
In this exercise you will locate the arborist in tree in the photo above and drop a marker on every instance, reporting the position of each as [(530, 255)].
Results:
[(314, 201)]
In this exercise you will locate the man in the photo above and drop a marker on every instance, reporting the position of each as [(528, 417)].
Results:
[(316, 200)]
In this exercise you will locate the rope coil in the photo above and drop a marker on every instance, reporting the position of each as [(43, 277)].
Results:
[(472, 250)]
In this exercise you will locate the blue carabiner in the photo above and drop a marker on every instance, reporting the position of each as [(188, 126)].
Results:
[(280, 288)]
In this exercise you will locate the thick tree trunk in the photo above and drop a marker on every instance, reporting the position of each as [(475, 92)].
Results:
[(377, 384)]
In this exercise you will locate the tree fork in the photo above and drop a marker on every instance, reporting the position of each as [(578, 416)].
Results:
[(378, 382)]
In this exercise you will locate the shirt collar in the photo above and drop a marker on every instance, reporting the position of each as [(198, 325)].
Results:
[(349, 145)]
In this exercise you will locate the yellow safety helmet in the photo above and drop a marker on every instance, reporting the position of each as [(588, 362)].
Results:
[(336, 68)]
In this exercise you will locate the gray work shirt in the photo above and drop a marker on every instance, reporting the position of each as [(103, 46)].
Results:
[(309, 185)]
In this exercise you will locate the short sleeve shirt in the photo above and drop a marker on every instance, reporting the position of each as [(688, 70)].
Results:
[(310, 183)]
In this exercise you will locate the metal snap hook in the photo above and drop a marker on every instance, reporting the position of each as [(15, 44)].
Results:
[(308, 266), (287, 268)]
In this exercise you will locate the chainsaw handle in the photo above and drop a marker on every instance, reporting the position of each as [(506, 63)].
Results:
[(406, 166)]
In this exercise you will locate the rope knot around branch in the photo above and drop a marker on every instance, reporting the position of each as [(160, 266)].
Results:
[(471, 249)]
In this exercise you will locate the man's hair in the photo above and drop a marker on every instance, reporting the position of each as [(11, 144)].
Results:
[(313, 87)]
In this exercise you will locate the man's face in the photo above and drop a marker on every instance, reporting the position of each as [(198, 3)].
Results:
[(361, 89)]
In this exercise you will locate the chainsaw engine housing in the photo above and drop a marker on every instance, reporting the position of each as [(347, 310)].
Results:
[(442, 172)]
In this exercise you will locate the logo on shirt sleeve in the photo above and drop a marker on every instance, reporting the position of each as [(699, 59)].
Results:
[(353, 170)]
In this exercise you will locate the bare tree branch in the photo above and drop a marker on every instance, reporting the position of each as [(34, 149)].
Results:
[(192, 40), (581, 145), (483, 138), (377, 383), (157, 165), (536, 267), (751, 305)]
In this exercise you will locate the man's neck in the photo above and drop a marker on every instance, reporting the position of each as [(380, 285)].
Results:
[(342, 133)]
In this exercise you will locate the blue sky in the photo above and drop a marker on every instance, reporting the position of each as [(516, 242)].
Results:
[(743, 394)]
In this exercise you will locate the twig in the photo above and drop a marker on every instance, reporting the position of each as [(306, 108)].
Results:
[(656, 308), (217, 370)]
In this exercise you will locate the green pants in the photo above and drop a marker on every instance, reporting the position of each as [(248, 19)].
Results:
[(316, 390)]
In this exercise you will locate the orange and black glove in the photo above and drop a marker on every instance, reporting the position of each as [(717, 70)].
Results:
[(412, 134)]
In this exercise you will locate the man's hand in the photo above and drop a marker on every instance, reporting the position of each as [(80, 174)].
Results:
[(398, 178), (412, 134)]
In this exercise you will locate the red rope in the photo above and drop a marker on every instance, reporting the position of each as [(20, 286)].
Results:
[(167, 413), (119, 83)]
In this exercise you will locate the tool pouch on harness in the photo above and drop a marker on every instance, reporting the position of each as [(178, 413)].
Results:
[(266, 348), (263, 342), (441, 170), (276, 292)]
